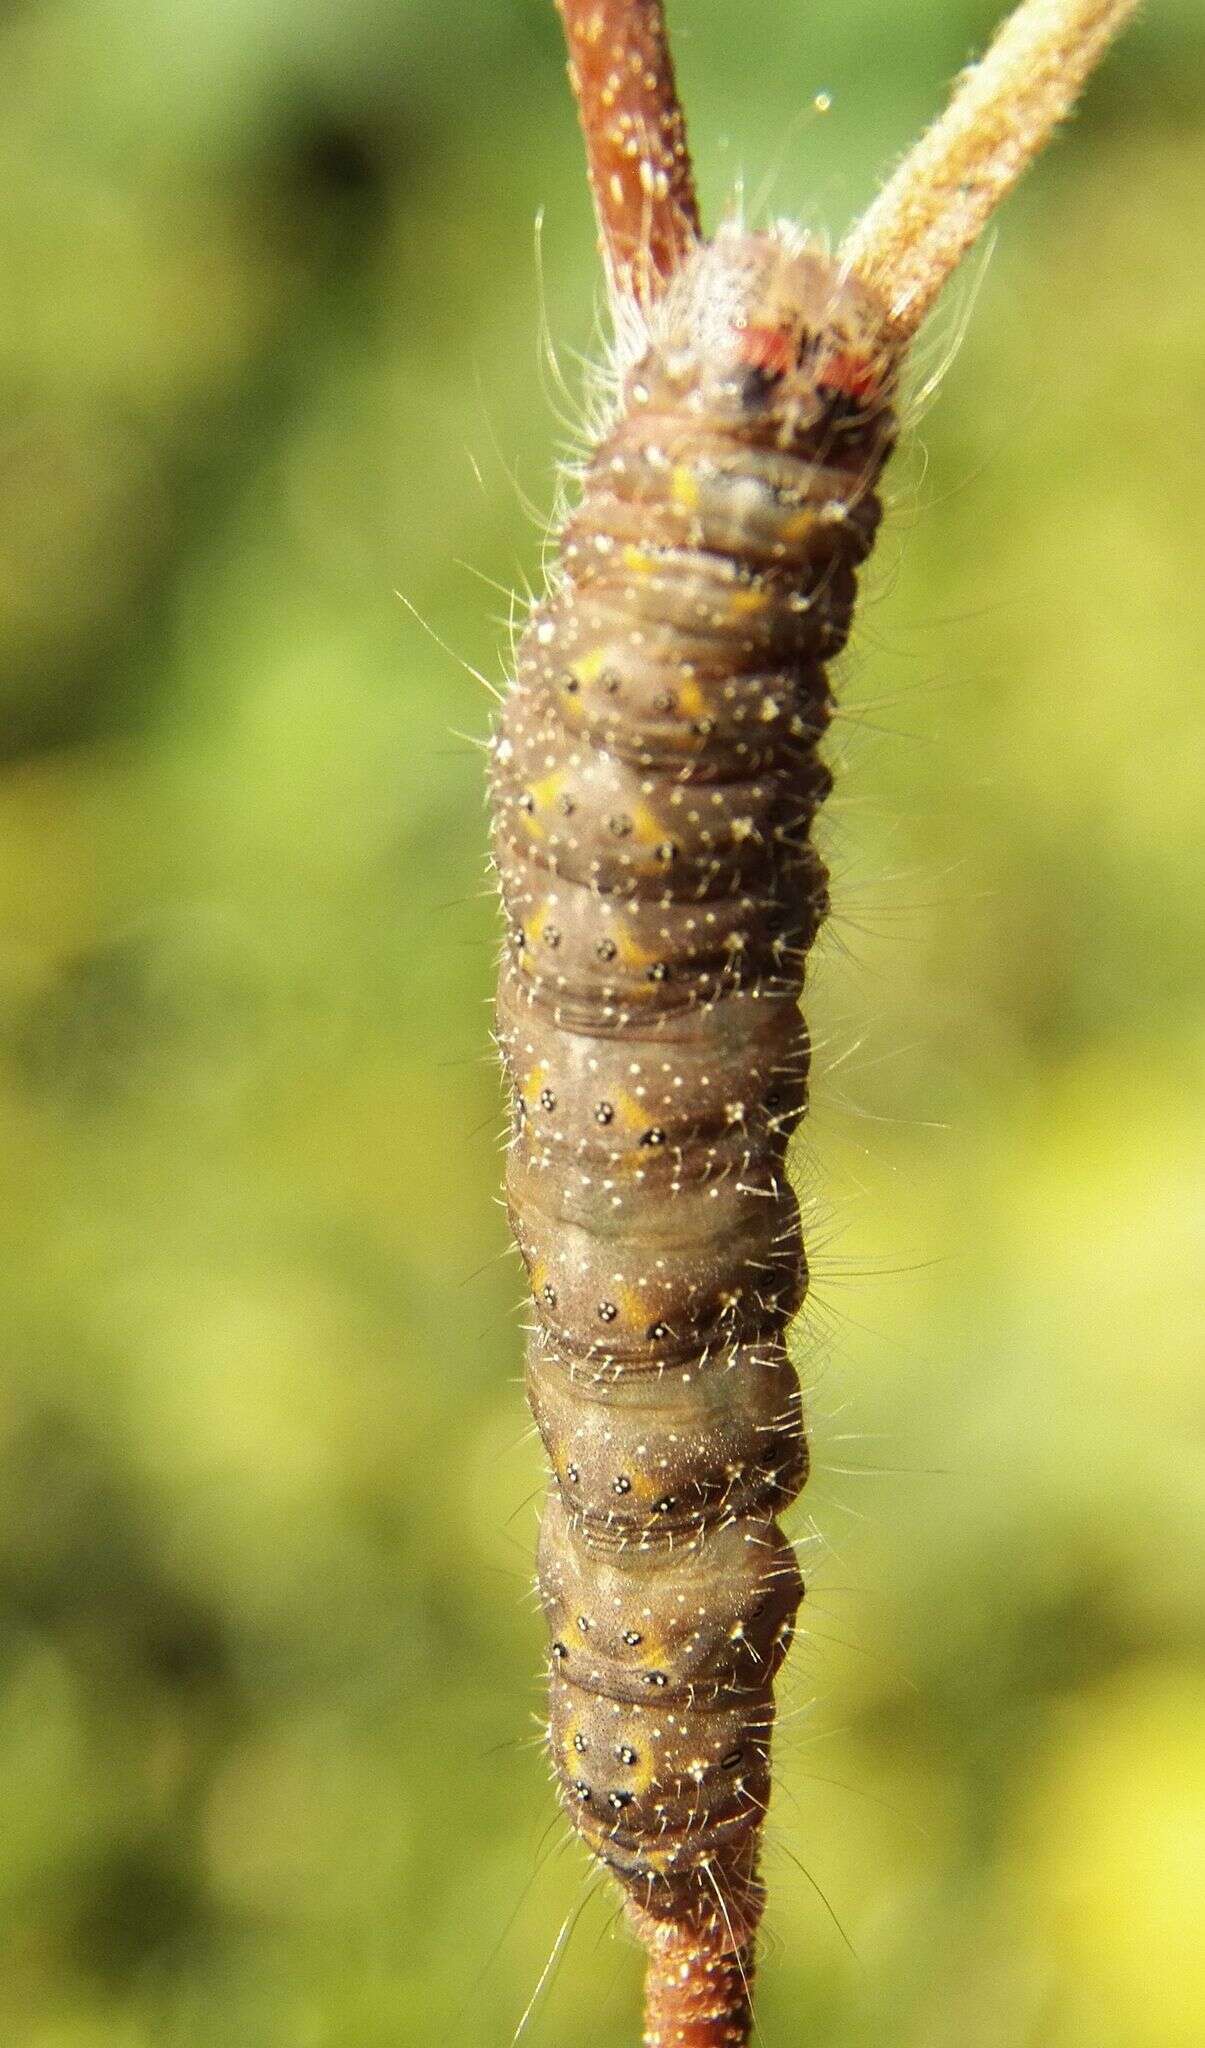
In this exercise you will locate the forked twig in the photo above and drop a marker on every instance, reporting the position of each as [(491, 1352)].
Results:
[(1003, 113), (639, 165)]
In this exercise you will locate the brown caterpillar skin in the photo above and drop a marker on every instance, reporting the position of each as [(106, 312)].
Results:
[(655, 775)]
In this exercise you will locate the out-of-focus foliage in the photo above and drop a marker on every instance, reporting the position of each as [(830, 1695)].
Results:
[(269, 356)]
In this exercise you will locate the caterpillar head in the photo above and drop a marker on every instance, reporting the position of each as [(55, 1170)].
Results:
[(767, 335)]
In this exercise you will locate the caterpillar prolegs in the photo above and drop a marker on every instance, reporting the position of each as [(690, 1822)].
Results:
[(656, 771)]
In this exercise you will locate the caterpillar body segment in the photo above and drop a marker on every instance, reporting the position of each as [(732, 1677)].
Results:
[(655, 775)]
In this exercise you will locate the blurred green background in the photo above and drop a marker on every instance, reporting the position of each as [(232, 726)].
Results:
[(270, 365)]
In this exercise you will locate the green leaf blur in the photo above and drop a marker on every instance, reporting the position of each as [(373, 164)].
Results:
[(273, 410)]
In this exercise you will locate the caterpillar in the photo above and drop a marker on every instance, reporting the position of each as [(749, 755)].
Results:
[(655, 773)]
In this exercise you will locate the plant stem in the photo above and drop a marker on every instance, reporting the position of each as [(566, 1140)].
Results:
[(638, 161), (1003, 113)]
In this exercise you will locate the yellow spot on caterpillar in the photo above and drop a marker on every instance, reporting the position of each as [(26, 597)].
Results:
[(632, 1304), (653, 1652), (546, 791), (633, 1115), (638, 562), (629, 950), (691, 698), (638, 1777), (533, 930), (743, 602), (798, 526), (647, 828), (588, 667), (684, 489)]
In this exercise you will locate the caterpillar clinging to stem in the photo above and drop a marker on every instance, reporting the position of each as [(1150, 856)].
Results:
[(655, 772)]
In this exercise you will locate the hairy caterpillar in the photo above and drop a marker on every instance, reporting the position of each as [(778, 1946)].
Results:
[(655, 773)]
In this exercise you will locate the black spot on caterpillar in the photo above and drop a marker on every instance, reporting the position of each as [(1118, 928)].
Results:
[(655, 774)]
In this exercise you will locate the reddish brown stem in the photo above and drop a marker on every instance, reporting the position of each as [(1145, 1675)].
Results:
[(639, 165), (700, 1955), (698, 1998)]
